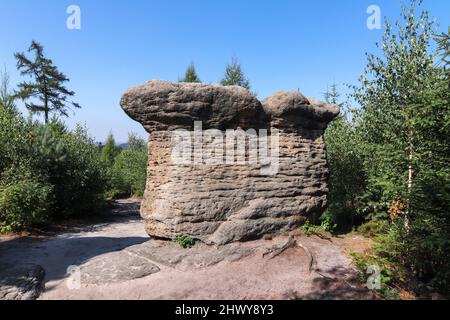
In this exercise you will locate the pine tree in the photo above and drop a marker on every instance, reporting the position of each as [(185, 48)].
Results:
[(135, 142), (109, 152), (344, 158), (7, 98), (444, 46), (191, 75), (46, 92), (332, 95), (234, 76)]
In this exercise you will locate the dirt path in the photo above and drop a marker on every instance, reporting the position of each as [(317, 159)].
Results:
[(115, 259)]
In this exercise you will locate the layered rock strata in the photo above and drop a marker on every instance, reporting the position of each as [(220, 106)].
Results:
[(247, 168)]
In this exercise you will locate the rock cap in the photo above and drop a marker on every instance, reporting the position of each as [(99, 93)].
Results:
[(162, 105), (292, 109)]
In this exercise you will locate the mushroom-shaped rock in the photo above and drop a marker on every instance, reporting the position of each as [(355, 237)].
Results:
[(222, 202)]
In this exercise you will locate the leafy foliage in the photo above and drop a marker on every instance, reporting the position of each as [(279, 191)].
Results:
[(14, 137), (345, 158), (70, 160), (311, 229), (184, 241), (404, 124), (389, 164), (46, 172), (129, 172), (109, 152), (390, 275), (135, 142), (374, 228), (24, 203)]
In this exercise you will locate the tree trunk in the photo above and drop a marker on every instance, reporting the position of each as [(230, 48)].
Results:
[(407, 217), (46, 110)]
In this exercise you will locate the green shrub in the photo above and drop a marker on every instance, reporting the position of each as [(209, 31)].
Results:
[(327, 223), (373, 228), (128, 174), (71, 162), (347, 177), (24, 204), (80, 180), (310, 229), (46, 171), (184, 241), (52, 158), (390, 274), (13, 138), (109, 152), (423, 249)]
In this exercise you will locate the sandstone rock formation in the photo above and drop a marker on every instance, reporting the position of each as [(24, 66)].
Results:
[(222, 202)]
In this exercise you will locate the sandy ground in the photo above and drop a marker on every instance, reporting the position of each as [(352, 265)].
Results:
[(120, 246)]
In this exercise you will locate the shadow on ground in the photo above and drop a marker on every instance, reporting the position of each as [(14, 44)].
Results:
[(72, 245), (335, 284), (56, 255)]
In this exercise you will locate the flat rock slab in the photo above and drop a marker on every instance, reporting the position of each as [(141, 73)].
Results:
[(145, 259), (23, 282), (172, 255), (236, 271), (116, 267)]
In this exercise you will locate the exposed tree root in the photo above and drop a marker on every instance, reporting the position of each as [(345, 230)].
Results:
[(312, 260), (291, 243), (321, 236)]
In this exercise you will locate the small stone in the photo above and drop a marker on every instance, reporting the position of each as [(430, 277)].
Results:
[(267, 237)]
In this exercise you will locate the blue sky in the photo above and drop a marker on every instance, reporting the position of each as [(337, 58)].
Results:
[(282, 45)]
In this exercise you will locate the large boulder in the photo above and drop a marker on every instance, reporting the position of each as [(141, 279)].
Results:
[(222, 202)]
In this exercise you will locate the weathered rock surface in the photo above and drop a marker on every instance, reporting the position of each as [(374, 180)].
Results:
[(164, 106), (221, 203), (172, 255), (24, 282), (116, 267), (293, 110)]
